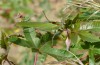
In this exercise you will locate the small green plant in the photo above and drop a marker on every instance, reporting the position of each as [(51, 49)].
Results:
[(75, 30)]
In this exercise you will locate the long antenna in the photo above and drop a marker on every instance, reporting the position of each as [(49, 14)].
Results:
[(46, 16)]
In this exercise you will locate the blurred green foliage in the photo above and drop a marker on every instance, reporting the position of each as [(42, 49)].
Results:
[(78, 20)]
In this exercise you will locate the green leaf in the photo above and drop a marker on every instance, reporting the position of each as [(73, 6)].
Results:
[(74, 38), (96, 50), (91, 26), (71, 20), (77, 26), (68, 22), (75, 41), (29, 32), (85, 45), (91, 57), (86, 36), (39, 25), (30, 36), (46, 37), (95, 44), (3, 41), (75, 19), (21, 42), (56, 53)]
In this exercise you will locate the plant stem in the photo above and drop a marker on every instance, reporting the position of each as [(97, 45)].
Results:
[(79, 61), (0, 61), (36, 58)]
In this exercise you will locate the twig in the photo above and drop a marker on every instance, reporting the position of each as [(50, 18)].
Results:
[(6, 59), (12, 62), (8, 62)]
